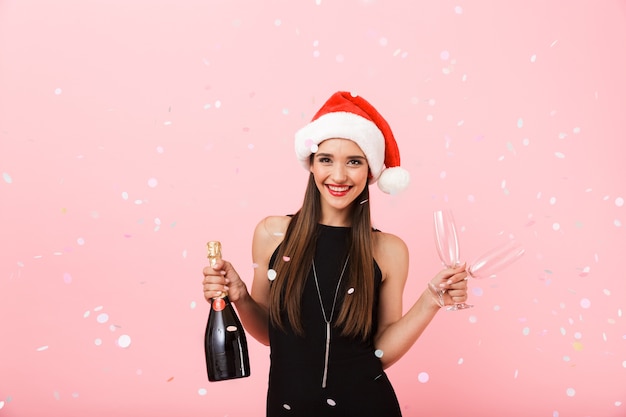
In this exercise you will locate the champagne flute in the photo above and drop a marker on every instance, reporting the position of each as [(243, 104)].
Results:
[(447, 244), (490, 262)]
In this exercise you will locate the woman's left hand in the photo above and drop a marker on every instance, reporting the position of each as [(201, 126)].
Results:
[(453, 281)]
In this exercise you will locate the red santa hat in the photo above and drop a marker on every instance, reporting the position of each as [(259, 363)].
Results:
[(349, 116)]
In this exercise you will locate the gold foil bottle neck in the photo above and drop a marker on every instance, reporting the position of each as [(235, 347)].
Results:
[(214, 249), (214, 253)]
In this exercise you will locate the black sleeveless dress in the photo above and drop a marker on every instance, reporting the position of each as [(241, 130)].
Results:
[(356, 383)]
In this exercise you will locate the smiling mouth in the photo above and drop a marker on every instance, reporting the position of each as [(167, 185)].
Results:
[(338, 190)]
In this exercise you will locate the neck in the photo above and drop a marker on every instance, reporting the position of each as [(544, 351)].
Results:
[(337, 218), (335, 222)]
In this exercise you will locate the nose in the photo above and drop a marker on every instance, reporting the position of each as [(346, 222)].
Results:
[(339, 174)]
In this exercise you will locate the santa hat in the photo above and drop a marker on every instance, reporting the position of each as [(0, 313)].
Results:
[(349, 116)]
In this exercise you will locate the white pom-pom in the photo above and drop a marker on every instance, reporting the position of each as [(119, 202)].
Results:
[(394, 180)]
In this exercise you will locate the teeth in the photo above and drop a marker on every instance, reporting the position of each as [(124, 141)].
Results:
[(338, 189)]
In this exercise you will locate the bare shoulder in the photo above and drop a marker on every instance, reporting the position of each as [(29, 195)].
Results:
[(272, 228), (268, 234), (391, 253), (388, 244)]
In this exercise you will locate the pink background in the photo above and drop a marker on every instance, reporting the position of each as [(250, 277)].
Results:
[(131, 132)]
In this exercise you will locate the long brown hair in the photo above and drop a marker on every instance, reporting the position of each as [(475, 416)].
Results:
[(355, 315)]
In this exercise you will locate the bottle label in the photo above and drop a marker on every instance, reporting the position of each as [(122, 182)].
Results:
[(219, 304)]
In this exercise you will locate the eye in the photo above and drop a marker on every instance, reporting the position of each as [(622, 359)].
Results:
[(355, 162), (323, 160)]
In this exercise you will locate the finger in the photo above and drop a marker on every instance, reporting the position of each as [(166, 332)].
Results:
[(458, 296), (457, 277), (212, 270), (209, 295), (215, 291), (459, 285), (216, 266)]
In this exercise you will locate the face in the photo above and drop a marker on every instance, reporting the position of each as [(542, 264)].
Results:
[(341, 173)]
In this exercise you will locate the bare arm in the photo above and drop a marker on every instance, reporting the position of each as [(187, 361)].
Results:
[(397, 332)]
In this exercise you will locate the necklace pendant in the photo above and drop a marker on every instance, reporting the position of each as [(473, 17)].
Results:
[(325, 376)]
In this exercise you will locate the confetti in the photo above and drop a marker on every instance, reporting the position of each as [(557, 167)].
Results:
[(379, 353), (331, 402), (7, 178), (423, 377), (271, 274), (124, 341)]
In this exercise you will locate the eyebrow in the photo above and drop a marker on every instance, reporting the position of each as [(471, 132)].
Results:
[(324, 154)]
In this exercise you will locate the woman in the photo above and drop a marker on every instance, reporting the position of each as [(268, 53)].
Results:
[(327, 289)]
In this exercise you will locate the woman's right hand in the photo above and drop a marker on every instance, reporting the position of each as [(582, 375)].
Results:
[(221, 278)]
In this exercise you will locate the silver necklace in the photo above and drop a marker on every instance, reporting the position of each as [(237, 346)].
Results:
[(330, 319)]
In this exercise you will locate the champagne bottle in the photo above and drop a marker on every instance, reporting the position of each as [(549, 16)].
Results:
[(225, 346)]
